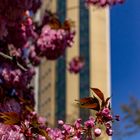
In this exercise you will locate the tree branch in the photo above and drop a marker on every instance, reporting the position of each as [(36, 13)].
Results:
[(11, 59)]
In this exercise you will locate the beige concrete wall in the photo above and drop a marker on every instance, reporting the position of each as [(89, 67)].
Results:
[(47, 91), (72, 79), (100, 52), (47, 74)]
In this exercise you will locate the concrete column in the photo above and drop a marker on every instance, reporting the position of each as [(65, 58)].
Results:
[(100, 52), (72, 79), (100, 49)]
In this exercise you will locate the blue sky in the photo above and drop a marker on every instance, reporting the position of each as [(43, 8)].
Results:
[(125, 54)]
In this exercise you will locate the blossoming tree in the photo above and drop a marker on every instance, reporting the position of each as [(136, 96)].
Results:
[(23, 42)]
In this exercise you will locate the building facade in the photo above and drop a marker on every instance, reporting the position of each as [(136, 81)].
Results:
[(58, 88)]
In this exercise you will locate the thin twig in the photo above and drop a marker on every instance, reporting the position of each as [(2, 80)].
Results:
[(11, 59)]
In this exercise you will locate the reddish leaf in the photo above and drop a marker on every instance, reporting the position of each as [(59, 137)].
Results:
[(85, 100), (109, 106), (68, 24), (98, 93), (107, 100), (44, 133), (55, 23), (90, 103), (104, 104), (89, 106), (10, 118)]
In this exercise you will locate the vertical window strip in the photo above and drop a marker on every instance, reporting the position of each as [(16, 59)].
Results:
[(84, 51), (61, 71)]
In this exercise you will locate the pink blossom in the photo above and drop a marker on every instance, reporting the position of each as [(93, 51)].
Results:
[(103, 3), (52, 42), (8, 132), (105, 112), (89, 123), (10, 105), (76, 64)]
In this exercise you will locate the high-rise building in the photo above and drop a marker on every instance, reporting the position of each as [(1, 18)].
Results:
[(58, 88)]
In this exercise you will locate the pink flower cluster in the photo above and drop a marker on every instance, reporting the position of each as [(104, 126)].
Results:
[(53, 42), (15, 77), (104, 117), (79, 131), (10, 105), (76, 65), (86, 131), (34, 126), (103, 3), (10, 132), (13, 14)]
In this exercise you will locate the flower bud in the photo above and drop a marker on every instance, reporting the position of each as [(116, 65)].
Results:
[(60, 122), (97, 132), (109, 132), (117, 117)]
